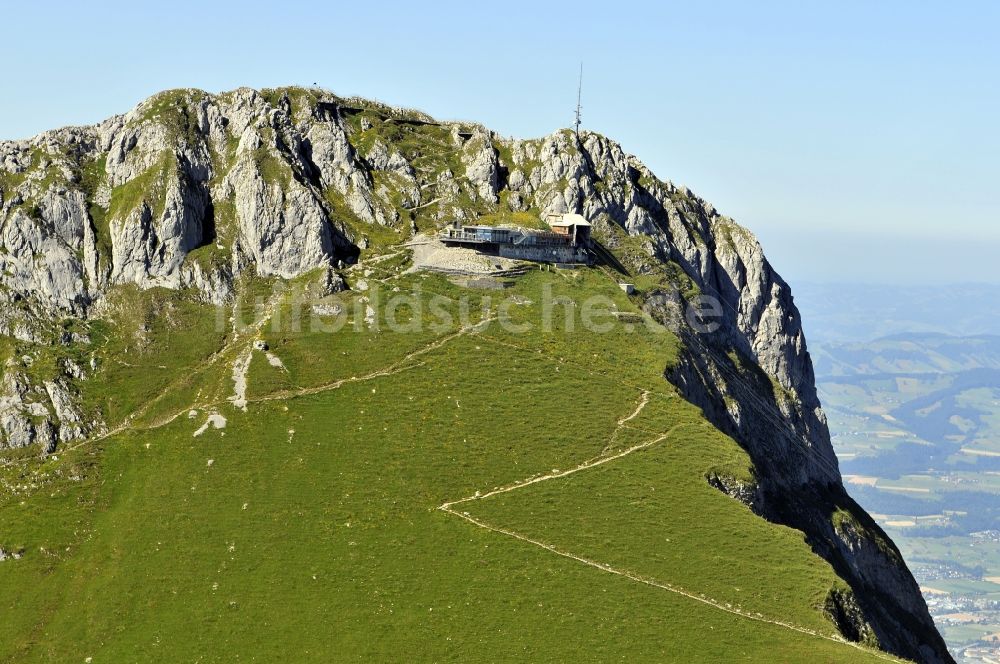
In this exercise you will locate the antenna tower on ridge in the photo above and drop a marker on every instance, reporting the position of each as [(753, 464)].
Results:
[(579, 107)]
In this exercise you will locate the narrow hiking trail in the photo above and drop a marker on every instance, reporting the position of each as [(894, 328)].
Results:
[(715, 604), (238, 336), (643, 402), (593, 462), (449, 507), (623, 421), (668, 393), (407, 363), (399, 366)]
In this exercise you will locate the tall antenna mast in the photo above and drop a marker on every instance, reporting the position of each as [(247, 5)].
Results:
[(579, 107)]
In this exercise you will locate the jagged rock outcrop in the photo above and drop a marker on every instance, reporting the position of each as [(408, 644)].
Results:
[(137, 195), (192, 190), (747, 366), (482, 166), (24, 417)]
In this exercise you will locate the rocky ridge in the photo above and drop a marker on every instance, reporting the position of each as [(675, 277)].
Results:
[(192, 191)]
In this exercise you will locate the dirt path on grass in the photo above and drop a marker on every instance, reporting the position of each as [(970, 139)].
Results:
[(643, 402), (593, 462), (715, 604), (449, 508), (403, 364), (623, 421), (238, 337)]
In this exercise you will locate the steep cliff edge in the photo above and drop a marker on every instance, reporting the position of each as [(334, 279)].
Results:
[(191, 191)]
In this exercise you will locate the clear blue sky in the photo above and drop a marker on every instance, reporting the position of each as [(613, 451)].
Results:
[(859, 140)]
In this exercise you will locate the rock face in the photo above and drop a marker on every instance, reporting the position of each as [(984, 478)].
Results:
[(130, 200), (192, 190), (747, 366), (25, 418)]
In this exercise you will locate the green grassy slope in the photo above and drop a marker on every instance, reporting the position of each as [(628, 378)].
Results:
[(310, 528)]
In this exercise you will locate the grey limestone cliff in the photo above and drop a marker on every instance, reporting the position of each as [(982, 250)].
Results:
[(189, 190)]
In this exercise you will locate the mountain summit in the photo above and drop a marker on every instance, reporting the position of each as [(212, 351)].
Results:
[(666, 491)]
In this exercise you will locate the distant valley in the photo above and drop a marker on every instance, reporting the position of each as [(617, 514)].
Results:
[(915, 421)]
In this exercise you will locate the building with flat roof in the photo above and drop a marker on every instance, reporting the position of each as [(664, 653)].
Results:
[(567, 242)]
